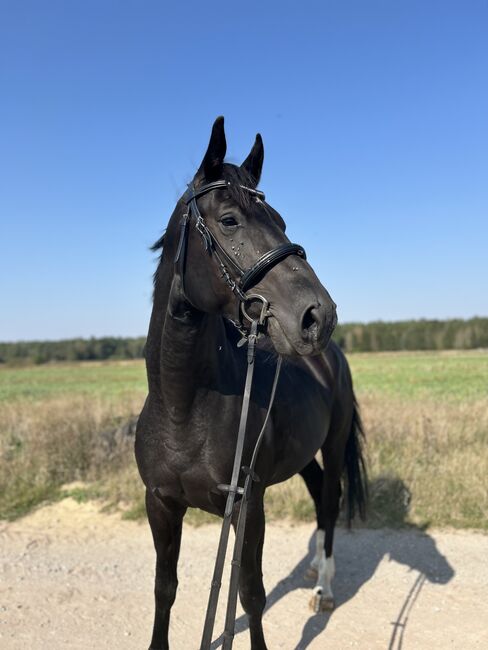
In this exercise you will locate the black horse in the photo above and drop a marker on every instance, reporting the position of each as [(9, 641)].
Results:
[(187, 430)]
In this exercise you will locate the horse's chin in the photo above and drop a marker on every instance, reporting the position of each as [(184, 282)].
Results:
[(286, 344)]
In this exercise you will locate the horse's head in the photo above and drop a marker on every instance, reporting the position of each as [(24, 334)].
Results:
[(220, 235)]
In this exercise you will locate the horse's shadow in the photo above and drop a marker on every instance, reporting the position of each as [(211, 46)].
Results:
[(357, 561)]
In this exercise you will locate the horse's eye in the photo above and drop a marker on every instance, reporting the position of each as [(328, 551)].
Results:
[(228, 221)]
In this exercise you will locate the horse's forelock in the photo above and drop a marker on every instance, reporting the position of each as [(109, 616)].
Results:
[(237, 177)]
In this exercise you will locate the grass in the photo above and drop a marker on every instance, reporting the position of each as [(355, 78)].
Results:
[(426, 417), (450, 376), (46, 444), (96, 379)]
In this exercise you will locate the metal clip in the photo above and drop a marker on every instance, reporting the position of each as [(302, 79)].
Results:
[(204, 232), (264, 308), (230, 488)]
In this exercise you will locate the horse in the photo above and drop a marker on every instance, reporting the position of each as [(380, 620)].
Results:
[(186, 432)]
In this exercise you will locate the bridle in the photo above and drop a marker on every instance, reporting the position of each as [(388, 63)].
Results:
[(238, 279)]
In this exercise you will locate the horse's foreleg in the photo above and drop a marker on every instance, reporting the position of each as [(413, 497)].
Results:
[(251, 588), (165, 519)]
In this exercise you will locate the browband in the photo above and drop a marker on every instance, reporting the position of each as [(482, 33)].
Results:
[(193, 193)]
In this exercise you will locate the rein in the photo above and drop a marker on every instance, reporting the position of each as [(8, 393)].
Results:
[(245, 280), (232, 490)]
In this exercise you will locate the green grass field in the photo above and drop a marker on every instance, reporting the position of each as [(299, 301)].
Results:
[(425, 414), (450, 376), (447, 376), (107, 379)]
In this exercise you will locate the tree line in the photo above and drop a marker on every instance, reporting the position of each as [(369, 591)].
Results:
[(379, 336), (93, 349), (455, 334)]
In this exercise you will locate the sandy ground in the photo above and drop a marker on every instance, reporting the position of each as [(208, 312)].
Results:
[(73, 578)]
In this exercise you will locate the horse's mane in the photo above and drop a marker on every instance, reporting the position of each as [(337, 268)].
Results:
[(158, 245)]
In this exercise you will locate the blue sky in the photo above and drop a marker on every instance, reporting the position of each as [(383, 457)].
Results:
[(374, 119)]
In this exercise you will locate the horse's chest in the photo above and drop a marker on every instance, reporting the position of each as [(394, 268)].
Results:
[(193, 484), (191, 461)]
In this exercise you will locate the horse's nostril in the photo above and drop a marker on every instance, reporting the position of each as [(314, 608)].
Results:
[(309, 321), (311, 324), (318, 323)]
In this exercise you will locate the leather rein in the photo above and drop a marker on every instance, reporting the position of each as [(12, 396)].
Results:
[(245, 280)]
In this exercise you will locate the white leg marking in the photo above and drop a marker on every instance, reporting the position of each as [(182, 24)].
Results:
[(319, 549), (326, 575)]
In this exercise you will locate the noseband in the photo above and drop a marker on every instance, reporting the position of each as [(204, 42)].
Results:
[(246, 278)]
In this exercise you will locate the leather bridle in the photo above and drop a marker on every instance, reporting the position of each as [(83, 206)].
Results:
[(238, 279)]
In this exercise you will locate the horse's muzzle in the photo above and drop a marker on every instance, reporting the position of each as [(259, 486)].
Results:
[(317, 324)]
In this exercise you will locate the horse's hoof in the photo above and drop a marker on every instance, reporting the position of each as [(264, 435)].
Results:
[(311, 573), (320, 603)]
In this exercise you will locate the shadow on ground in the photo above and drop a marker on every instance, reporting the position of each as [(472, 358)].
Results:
[(357, 563)]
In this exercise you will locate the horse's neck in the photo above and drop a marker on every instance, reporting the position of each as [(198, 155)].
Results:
[(180, 350)]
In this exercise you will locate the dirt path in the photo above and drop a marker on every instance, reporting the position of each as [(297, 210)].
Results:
[(73, 578)]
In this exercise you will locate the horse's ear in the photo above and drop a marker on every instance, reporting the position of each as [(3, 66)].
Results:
[(211, 166), (254, 162)]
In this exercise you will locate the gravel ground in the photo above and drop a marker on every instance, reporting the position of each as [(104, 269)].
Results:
[(71, 577)]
